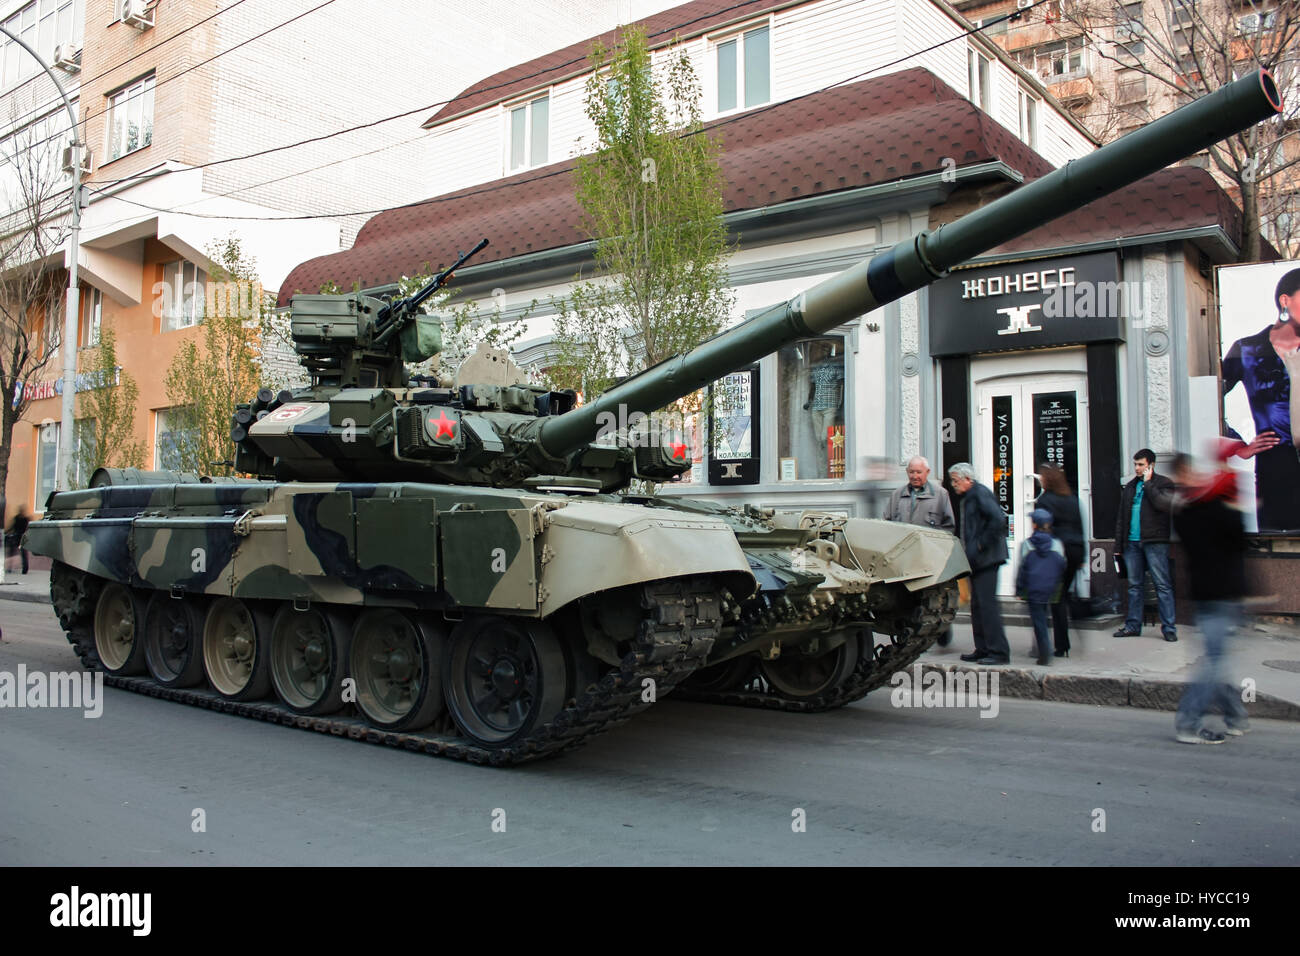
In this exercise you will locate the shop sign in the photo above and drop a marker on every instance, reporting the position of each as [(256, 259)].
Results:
[(1003, 459), (733, 429), (1056, 433), (1019, 305), (52, 388)]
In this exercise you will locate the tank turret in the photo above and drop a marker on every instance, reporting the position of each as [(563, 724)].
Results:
[(361, 419)]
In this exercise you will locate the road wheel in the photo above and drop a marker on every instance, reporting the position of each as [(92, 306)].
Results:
[(308, 659), (721, 677), (173, 641), (119, 614), (235, 651), (800, 676), (503, 678), (395, 660)]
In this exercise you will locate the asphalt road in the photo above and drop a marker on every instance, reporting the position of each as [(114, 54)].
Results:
[(683, 783)]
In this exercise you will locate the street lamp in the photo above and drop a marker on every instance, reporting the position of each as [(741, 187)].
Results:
[(66, 449)]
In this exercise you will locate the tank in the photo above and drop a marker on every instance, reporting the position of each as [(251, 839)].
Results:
[(460, 568)]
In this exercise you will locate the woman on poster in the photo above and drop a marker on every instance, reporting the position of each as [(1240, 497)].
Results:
[(1265, 364)]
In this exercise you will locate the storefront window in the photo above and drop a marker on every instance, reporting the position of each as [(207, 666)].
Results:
[(811, 426)]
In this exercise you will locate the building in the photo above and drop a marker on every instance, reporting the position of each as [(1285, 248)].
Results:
[(1117, 66), (186, 107)]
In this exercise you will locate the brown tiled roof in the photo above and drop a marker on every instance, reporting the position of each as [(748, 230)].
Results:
[(1182, 197), (661, 29), (875, 131)]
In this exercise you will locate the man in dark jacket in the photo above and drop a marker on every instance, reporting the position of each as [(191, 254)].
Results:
[(1142, 531), (984, 537), (1214, 540)]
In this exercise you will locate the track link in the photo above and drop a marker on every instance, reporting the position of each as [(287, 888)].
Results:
[(681, 620), (910, 636)]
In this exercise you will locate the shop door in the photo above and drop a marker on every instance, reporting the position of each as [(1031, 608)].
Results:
[(1023, 421)]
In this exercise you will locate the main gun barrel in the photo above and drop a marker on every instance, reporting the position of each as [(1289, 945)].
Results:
[(918, 261)]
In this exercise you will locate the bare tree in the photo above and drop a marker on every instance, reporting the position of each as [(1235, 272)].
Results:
[(1164, 53), (34, 224)]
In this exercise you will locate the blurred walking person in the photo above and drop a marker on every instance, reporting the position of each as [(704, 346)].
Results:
[(1040, 578), (14, 536), (984, 537), (1209, 522), (1067, 525)]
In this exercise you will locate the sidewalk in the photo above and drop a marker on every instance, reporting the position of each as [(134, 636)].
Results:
[(33, 586), (1129, 672), (1141, 671)]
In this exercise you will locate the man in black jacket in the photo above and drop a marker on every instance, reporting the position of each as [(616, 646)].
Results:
[(1142, 533), (1214, 540), (984, 536)]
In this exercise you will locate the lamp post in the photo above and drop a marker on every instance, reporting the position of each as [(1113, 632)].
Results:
[(66, 444)]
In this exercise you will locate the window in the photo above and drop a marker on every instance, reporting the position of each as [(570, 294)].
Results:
[(1028, 119), (92, 312), (47, 461), (43, 25), (184, 291), (811, 427), (1130, 22), (977, 65), (31, 159), (173, 439), (1131, 89), (528, 129), (744, 69), (130, 118), (87, 445)]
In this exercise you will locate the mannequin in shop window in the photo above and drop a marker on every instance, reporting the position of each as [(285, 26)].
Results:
[(825, 405)]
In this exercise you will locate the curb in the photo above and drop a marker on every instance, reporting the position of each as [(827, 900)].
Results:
[(1103, 691), (27, 596)]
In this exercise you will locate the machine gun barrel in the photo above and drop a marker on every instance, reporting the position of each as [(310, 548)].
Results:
[(391, 316), (918, 261)]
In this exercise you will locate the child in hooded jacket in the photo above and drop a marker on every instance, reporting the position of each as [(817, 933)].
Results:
[(1039, 580)]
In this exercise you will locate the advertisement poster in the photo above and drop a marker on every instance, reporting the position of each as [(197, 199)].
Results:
[(1259, 339)]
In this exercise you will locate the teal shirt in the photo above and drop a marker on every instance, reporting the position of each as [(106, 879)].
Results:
[(1135, 522)]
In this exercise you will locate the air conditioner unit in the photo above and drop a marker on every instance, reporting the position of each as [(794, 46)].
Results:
[(67, 57), (87, 161), (1024, 4), (136, 13)]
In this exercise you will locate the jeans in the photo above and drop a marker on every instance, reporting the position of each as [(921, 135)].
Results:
[(1210, 688), (1153, 557), (1038, 614)]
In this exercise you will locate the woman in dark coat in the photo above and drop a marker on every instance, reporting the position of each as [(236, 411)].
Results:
[(1067, 525)]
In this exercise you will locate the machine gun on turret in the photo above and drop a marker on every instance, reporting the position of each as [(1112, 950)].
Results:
[(350, 340)]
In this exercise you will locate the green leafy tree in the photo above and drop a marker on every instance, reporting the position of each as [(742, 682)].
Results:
[(209, 377), (651, 195), (106, 415)]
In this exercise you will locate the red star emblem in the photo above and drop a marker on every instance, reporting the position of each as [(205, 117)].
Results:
[(446, 426), (677, 451)]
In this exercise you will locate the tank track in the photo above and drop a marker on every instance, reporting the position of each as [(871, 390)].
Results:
[(681, 621), (909, 638)]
